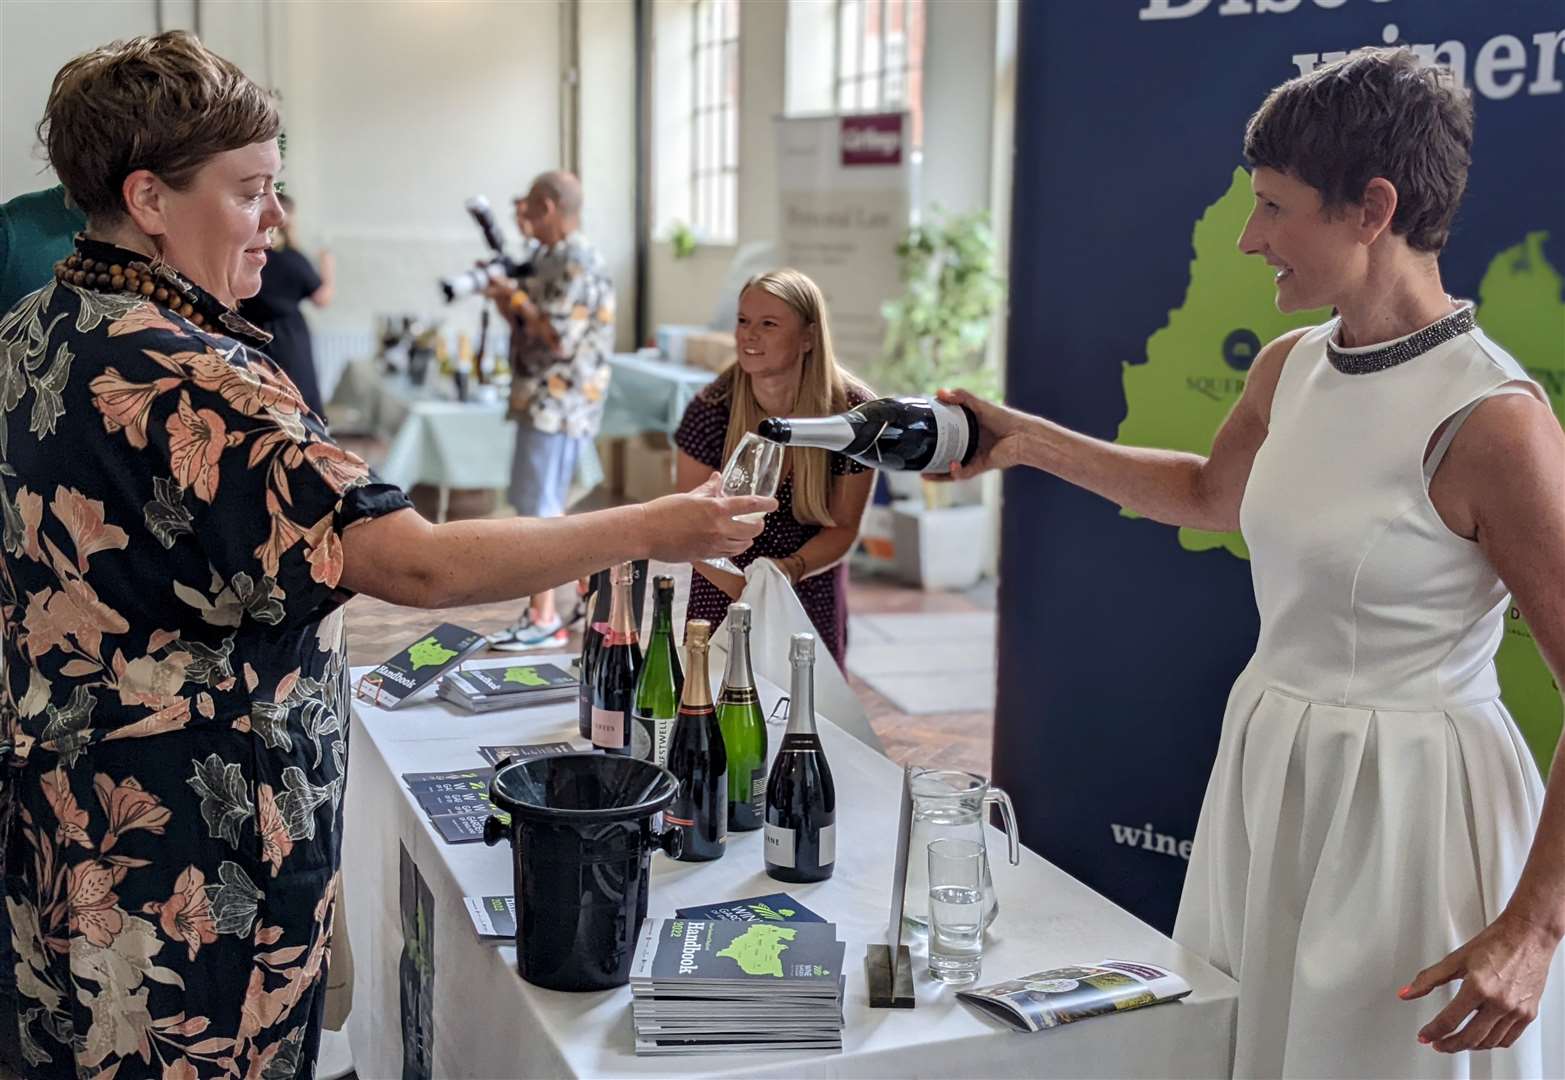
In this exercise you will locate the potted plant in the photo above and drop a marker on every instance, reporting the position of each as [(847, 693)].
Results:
[(937, 334)]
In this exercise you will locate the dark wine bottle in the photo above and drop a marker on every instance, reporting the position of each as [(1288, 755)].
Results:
[(618, 663), (697, 759), (905, 434), (801, 802), (744, 728), (597, 601), (662, 683)]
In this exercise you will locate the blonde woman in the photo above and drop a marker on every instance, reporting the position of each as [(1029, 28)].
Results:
[(785, 367)]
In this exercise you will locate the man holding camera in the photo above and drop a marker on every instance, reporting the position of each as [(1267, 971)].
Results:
[(562, 333)]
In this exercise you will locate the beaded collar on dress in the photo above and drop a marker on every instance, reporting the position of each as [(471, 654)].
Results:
[(1372, 358), (109, 268)]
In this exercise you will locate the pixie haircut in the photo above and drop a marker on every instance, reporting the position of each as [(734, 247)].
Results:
[(166, 104), (1377, 112)]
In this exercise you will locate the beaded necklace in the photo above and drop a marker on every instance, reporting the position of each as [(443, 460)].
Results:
[(108, 268), (1369, 361)]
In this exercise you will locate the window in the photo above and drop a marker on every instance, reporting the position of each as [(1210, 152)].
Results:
[(714, 141), (880, 58)]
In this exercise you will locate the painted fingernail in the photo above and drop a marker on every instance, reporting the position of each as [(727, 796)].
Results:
[(1405, 991), (1425, 1039)]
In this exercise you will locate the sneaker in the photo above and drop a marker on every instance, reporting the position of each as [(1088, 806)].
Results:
[(528, 634), (578, 617)]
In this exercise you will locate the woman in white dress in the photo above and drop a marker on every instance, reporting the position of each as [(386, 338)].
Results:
[(1377, 861)]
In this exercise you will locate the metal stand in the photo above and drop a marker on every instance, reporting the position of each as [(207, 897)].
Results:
[(888, 989), (889, 968)]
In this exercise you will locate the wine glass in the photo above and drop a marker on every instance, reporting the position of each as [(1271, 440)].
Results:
[(754, 468)]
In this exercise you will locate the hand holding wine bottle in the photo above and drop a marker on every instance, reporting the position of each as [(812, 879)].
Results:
[(905, 434), (702, 523), (1001, 436)]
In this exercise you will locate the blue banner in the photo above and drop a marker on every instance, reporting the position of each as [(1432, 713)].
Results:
[(1134, 318)]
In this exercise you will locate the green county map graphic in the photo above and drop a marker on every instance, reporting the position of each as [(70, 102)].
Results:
[(758, 951), (526, 676), (429, 653), (1196, 363)]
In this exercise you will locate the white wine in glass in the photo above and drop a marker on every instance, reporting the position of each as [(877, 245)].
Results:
[(754, 468)]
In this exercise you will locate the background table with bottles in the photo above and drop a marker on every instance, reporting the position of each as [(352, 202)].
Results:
[(485, 1021)]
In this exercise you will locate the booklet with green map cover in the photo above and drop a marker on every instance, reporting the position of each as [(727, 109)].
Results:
[(738, 957), (709, 985), (418, 665)]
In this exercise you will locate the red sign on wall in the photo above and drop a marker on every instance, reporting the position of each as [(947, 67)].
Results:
[(872, 140)]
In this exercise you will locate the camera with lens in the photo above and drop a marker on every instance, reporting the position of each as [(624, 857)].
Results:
[(500, 265)]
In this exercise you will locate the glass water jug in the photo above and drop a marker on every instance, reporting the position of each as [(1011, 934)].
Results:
[(955, 804)]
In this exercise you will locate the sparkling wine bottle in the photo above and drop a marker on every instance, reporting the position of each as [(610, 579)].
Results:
[(744, 728), (597, 601), (697, 759), (801, 802), (618, 663), (907, 434), (662, 683)]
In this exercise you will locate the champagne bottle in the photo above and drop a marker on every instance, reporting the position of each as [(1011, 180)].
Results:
[(744, 728), (801, 802), (662, 683), (618, 664), (907, 434), (597, 601), (697, 759)]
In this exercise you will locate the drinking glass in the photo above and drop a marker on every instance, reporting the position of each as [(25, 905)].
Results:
[(754, 468), (956, 910)]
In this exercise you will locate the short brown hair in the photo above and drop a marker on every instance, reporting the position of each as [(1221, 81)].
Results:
[(165, 103), (1376, 112)]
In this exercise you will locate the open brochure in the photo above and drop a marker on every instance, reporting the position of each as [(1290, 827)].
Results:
[(1048, 999)]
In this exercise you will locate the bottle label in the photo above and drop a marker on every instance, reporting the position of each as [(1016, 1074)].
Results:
[(779, 846), (758, 791), (782, 846), (662, 731), (950, 436), (608, 728), (828, 844)]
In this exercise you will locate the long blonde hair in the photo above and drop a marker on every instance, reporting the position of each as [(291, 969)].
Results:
[(823, 391)]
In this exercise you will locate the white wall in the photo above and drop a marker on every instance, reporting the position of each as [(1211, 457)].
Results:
[(36, 38), (394, 115), (608, 147)]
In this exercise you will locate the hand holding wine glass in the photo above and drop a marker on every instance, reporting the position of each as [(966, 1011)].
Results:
[(753, 469), (702, 523)]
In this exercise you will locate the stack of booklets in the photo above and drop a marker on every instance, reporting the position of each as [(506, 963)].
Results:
[(722, 985), (415, 667), (483, 689)]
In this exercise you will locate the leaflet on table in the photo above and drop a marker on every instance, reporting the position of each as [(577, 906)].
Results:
[(493, 916), (418, 665), (775, 907), (1048, 999), (517, 751)]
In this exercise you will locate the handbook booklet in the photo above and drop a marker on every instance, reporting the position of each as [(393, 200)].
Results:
[(1047, 999), (483, 689), (775, 907), (709, 985), (418, 665)]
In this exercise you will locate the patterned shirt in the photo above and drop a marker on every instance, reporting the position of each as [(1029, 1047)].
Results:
[(174, 691), (559, 386)]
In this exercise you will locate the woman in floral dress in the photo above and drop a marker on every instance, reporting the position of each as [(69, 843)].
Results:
[(179, 534)]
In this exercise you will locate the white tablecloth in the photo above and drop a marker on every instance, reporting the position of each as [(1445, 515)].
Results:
[(487, 1022)]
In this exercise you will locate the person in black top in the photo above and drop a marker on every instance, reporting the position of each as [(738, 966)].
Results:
[(286, 282)]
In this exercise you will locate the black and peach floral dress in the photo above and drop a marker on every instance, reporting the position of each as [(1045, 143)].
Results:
[(174, 692)]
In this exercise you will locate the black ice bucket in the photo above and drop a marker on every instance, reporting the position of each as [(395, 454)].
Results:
[(581, 845)]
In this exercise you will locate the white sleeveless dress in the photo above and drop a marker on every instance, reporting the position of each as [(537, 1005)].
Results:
[(1372, 802)]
